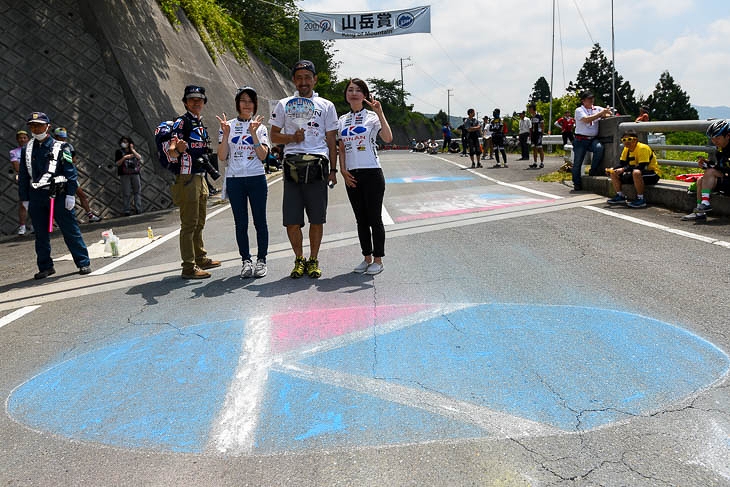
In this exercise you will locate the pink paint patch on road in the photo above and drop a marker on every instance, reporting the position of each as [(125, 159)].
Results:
[(460, 211), (292, 330)]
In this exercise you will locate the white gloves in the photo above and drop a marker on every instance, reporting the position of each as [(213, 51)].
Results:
[(70, 202), (25, 204)]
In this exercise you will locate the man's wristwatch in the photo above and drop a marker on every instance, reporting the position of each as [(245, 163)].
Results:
[(333, 170)]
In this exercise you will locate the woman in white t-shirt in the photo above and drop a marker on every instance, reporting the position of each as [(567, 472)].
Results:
[(245, 146), (360, 167)]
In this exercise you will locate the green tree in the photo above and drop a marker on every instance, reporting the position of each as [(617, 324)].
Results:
[(565, 103), (595, 75), (540, 92), (390, 93), (669, 101), (441, 118), (271, 32)]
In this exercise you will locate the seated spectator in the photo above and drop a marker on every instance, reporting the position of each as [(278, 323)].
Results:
[(275, 158), (717, 170), (643, 114), (638, 166)]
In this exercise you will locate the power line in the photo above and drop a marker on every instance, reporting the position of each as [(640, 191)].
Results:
[(562, 54), (584, 21), (462, 72)]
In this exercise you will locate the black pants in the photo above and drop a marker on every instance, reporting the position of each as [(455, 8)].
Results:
[(367, 203), (524, 145)]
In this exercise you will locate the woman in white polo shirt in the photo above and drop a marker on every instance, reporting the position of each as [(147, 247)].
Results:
[(245, 145), (360, 167)]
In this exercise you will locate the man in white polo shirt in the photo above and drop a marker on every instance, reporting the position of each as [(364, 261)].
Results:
[(315, 147), (586, 137)]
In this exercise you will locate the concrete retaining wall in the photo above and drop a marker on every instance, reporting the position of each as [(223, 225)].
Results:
[(103, 69)]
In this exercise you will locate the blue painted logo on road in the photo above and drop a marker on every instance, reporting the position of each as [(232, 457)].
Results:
[(348, 379)]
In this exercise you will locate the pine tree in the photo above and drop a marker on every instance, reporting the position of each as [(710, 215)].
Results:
[(540, 92), (669, 101), (595, 75)]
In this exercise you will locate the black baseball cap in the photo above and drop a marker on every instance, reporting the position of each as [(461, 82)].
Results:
[(193, 91), (304, 64)]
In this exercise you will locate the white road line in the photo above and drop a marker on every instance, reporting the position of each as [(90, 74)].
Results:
[(7, 319), (235, 430), (160, 241), (498, 424), (663, 228), (387, 220), (502, 183), (123, 260)]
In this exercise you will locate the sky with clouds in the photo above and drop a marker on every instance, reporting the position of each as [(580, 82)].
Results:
[(490, 53)]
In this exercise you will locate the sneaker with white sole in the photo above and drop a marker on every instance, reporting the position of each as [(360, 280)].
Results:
[(694, 217), (260, 269), (361, 267), (374, 268), (21, 230), (247, 269), (703, 208), (637, 203), (619, 199)]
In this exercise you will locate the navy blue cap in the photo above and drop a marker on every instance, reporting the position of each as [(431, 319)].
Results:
[(39, 117), (304, 64), (194, 91)]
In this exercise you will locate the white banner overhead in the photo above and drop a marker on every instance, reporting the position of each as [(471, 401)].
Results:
[(315, 26)]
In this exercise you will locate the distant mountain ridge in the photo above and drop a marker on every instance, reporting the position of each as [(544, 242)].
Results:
[(712, 112)]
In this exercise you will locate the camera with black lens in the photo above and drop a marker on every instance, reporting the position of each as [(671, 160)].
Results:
[(204, 162)]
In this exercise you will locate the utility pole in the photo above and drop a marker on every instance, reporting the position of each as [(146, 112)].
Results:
[(448, 103), (402, 86)]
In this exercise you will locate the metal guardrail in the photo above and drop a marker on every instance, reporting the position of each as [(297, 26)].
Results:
[(672, 126)]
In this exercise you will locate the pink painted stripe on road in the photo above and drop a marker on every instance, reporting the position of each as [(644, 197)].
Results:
[(292, 330), (461, 211)]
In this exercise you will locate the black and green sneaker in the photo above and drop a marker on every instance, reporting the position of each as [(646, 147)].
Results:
[(299, 268), (313, 269)]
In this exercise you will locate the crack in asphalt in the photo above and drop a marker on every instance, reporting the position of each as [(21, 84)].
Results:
[(374, 329)]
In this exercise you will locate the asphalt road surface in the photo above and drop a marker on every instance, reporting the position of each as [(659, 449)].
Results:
[(520, 334)]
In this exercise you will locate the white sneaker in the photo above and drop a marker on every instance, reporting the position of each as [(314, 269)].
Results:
[(374, 268), (260, 270), (247, 269), (361, 267), (21, 230)]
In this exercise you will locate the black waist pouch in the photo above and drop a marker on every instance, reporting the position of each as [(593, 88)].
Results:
[(305, 168)]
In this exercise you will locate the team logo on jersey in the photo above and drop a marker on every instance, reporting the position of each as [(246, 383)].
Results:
[(198, 134), (353, 130), (312, 124), (243, 140)]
